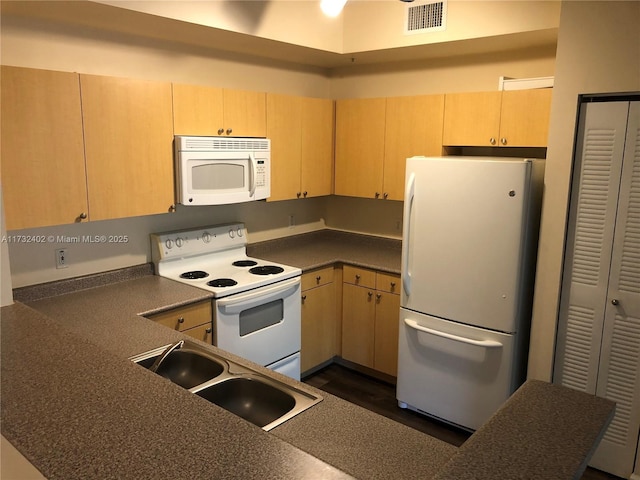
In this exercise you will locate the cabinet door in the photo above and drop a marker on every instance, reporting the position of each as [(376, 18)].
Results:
[(317, 147), (524, 117), (42, 147), (245, 113), (284, 130), (359, 147), (197, 110), (413, 127), (319, 342), (128, 132), (386, 333), (472, 118), (358, 313)]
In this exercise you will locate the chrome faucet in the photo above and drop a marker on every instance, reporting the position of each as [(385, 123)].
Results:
[(165, 354)]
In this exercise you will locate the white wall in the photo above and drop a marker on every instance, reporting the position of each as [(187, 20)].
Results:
[(598, 52)]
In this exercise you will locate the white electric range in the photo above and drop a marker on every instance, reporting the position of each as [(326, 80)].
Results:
[(257, 303)]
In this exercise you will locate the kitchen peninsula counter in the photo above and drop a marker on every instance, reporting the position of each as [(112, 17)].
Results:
[(76, 407)]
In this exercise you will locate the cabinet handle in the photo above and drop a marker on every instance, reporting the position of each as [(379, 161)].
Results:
[(377, 194), (385, 195), (503, 141), (304, 297), (172, 208), (229, 131), (370, 295), (615, 301), (180, 319), (393, 286), (378, 296), (82, 216), (298, 194), (208, 330), (492, 141), (318, 278), (220, 131), (357, 277), (304, 194)]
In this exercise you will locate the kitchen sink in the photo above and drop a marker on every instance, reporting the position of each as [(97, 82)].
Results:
[(187, 368), (252, 399), (253, 396)]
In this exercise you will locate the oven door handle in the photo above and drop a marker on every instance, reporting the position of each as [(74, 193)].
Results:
[(238, 303)]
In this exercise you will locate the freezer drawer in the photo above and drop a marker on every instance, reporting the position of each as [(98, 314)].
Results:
[(455, 372)]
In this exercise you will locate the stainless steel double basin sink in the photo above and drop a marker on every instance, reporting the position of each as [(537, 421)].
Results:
[(258, 398)]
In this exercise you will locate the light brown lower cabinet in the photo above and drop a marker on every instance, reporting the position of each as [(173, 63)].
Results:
[(370, 312), (319, 321), (194, 320)]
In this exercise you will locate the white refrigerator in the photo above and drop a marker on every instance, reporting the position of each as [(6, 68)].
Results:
[(469, 244)]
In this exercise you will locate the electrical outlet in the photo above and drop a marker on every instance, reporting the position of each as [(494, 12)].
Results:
[(61, 258), (292, 221)]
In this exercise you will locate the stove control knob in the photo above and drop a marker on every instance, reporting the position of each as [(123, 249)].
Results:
[(232, 233), (206, 237), (240, 232), (179, 242), (168, 243)]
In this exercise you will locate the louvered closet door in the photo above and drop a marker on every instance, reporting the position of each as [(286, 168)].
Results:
[(619, 372), (598, 347), (589, 243)]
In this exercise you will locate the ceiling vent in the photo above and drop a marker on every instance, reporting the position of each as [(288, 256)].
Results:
[(425, 16)]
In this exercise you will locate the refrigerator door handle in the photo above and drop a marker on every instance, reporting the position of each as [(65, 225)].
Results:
[(406, 230), (479, 343)]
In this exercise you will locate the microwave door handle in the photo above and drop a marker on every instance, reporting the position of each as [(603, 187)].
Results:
[(254, 170)]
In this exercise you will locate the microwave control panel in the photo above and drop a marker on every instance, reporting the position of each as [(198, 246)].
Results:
[(261, 173)]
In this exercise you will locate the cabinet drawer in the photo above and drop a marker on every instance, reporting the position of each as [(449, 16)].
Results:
[(184, 318), (202, 332), (359, 276), (315, 278), (387, 282)]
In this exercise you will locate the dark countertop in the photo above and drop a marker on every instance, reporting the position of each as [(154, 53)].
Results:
[(326, 247), (76, 407)]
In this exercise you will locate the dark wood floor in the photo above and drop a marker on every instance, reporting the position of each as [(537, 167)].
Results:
[(380, 397)]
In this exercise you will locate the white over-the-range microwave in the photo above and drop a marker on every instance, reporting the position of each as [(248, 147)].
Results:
[(222, 170)]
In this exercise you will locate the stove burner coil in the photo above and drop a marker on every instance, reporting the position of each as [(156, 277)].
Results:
[(196, 274), (266, 270), (244, 263), (222, 282)]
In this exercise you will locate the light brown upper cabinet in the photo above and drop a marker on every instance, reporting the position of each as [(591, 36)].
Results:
[(374, 137), (518, 118), (360, 127), (413, 127), (301, 133), (43, 169), (205, 110), (316, 177), (128, 146)]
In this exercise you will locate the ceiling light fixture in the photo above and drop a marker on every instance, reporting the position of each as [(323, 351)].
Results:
[(332, 8)]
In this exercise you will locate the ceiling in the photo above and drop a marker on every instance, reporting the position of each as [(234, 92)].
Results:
[(110, 18)]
